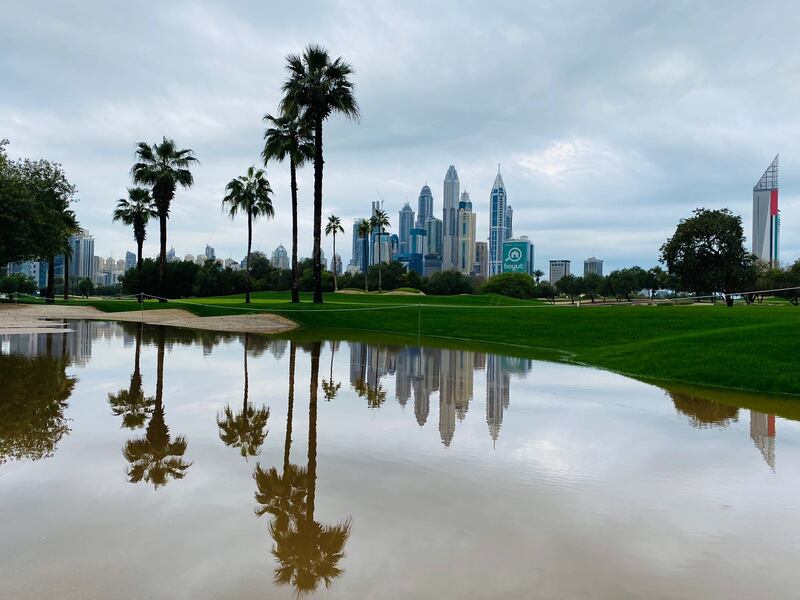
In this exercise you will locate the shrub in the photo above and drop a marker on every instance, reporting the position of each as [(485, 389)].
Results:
[(448, 283), (515, 285)]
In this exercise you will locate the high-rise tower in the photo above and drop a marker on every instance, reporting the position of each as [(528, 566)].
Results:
[(465, 243), (405, 224), (450, 220), (499, 222), (424, 206), (766, 216)]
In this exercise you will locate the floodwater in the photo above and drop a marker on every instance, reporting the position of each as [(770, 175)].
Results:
[(172, 464)]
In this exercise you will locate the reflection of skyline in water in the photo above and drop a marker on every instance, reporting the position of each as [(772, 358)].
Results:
[(423, 372)]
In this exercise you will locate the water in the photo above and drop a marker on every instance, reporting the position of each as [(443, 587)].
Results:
[(414, 473)]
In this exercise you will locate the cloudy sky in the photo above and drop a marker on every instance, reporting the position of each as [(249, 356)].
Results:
[(611, 120)]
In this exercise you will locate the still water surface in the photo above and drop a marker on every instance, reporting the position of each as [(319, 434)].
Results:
[(166, 463)]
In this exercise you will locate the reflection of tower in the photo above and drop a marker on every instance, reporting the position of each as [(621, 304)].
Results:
[(358, 363), (762, 431), (447, 419), (456, 379), (497, 394), (402, 378), (278, 348)]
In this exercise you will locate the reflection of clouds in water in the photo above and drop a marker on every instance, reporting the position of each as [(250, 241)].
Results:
[(546, 454)]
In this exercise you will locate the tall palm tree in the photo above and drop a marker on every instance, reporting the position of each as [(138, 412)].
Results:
[(538, 274), (333, 227), (156, 458), (131, 404), (379, 221), (246, 430), (316, 88), (288, 136), (163, 167), (136, 211), (309, 552), (252, 195), (70, 228), (364, 229)]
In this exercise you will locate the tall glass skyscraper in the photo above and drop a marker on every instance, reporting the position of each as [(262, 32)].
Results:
[(499, 221), (465, 258), (82, 261), (766, 216), (405, 225), (424, 206), (450, 220)]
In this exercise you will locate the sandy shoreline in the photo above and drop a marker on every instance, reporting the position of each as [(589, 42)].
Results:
[(38, 318)]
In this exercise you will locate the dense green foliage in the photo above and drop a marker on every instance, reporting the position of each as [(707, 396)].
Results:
[(17, 284), (515, 285)]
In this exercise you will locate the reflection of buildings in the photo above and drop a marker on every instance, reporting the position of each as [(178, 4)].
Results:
[(762, 432), (423, 372), (76, 345)]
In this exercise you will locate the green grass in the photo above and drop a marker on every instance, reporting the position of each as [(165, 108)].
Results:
[(746, 347)]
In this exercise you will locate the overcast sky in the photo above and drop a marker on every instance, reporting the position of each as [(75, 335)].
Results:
[(611, 120)]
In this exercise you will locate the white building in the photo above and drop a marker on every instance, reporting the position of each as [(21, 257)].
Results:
[(593, 265), (558, 269)]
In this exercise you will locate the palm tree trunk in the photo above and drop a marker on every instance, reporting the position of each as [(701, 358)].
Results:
[(139, 244), (51, 281), (246, 379), (335, 284), (158, 408), (247, 264), (162, 263), (317, 210), (138, 352), (66, 276), (295, 279), (287, 444), (312, 431), (366, 264)]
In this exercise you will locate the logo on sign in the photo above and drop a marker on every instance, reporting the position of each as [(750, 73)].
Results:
[(515, 254)]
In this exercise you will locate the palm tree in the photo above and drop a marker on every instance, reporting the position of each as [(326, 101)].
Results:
[(252, 195), (131, 404), (156, 457), (309, 552), (379, 221), (538, 274), (316, 88), (136, 211), (334, 226), (289, 137), (364, 229), (70, 227), (163, 167), (246, 430), (329, 387)]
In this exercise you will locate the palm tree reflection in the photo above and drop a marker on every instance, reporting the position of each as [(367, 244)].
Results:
[(156, 458), (245, 430), (308, 552), (131, 404), (330, 387)]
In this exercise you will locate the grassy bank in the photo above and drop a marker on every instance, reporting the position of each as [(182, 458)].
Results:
[(745, 347)]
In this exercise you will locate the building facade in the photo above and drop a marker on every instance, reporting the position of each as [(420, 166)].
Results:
[(433, 236), (558, 269), (424, 206), (593, 265), (450, 199), (498, 224), (518, 255), (766, 216), (81, 263), (405, 224), (480, 268), (280, 258), (465, 242)]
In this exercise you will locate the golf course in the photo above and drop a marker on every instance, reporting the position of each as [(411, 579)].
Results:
[(751, 348)]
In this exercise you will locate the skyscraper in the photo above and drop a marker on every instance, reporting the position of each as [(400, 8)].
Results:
[(209, 252), (450, 220), (465, 243), (81, 263), (498, 224), (130, 260), (424, 206), (480, 268), (593, 265), (558, 269), (433, 238), (280, 258), (766, 217), (405, 224)]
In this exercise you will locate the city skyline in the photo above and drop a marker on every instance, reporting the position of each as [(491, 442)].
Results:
[(603, 151)]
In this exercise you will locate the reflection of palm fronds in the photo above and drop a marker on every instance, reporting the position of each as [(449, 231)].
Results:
[(131, 404), (155, 458), (330, 388), (283, 497), (245, 430)]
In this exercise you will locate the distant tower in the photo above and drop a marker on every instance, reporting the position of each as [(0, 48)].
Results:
[(498, 224), (424, 206), (405, 225), (450, 219), (766, 216), (465, 236), (593, 265)]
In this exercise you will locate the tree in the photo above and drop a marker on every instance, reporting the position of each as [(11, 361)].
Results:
[(316, 88), (537, 275), (156, 458), (289, 137), (448, 283), (330, 387), (333, 227), (85, 286), (547, 290), (163, 167), (246, 430), (514, 285), (252, 195), (136, 211), (379, 221), (568, 286), (707, 253), (131, 404), (364, 229), (69, 228), (592, 283)]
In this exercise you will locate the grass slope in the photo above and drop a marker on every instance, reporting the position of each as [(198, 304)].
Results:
[(745, 347)]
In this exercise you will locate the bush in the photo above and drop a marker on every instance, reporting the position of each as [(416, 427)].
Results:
[(17, 283), (448, 283), (514, 285), (179, 281)]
